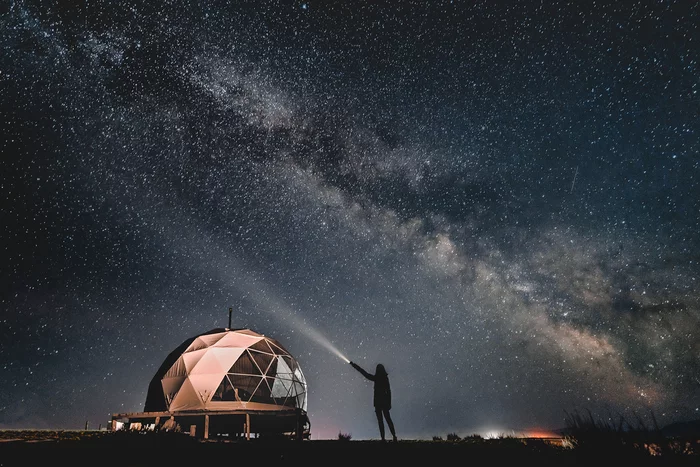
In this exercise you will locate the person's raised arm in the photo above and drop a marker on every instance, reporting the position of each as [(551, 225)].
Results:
[(361, 370)]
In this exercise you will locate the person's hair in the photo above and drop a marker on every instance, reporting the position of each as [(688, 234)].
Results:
[(381, 371)]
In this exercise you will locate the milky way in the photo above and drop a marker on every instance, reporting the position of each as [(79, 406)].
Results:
[(499, 201)]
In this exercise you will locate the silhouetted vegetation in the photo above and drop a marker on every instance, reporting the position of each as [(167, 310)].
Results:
[(586, 441), (620, 437)]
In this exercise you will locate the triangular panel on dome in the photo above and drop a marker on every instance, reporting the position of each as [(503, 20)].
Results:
[(178, 369), (236, 339), (262, 346), (282, 397), (225, 391), (297, 388), (192, 358), (186, 398), (204, 385), (272, 369), (263, 392), (286, 387), (249, 332), (197, 344), (283, 380), (226, 356), (171, 386), (292, 365), (245, 365), (262, 360), (204, 341), (209, 363), (283, 368), (246, 385), (277, 347)]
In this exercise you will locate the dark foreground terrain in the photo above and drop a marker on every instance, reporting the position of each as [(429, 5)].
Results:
[(25, 448)]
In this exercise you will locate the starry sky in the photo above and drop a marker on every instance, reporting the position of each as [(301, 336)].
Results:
[(499, 201)]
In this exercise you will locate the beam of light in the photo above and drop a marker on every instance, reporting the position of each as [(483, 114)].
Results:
[(269, 303), (323, 341), (177, 231), (211, 257)]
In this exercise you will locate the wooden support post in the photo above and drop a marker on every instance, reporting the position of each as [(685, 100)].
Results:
[(300, 426), (247, 426), (206, 426)]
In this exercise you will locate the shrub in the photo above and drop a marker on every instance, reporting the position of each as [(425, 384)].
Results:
[(344, 436), (616, 435)]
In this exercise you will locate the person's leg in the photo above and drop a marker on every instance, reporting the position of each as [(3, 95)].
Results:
[(378, 412), (390, 423)]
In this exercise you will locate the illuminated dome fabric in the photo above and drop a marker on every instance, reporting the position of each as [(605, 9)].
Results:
[(227, 369)]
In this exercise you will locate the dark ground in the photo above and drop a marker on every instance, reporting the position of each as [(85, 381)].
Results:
[(148, 449)]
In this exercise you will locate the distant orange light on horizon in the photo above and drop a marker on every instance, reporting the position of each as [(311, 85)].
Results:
[(537, 433)]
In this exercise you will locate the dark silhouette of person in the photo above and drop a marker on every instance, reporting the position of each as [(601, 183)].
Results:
[(382, 396)]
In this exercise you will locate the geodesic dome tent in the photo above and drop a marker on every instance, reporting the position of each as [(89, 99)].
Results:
[(228, 369)]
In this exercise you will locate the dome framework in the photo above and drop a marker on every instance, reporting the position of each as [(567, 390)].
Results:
[(225, 382)]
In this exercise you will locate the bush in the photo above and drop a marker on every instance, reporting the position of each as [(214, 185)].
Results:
[(615, 435), (344, 436)]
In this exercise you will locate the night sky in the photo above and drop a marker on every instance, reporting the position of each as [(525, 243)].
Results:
[(498, 200)]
